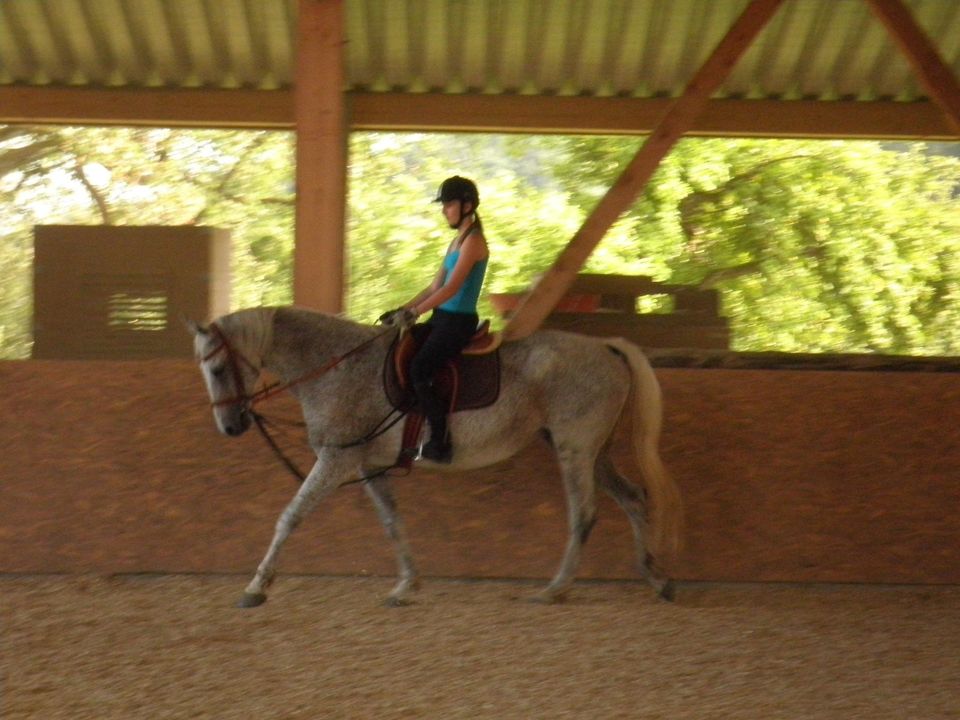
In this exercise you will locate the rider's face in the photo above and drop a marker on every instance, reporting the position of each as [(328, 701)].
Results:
[(455, 210), (451, 211)]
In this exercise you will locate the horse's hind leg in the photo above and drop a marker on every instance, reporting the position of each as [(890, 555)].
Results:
[(576, 466), (631, 501), (378, 489)]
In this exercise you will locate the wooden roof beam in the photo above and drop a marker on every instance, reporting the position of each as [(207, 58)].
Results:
[(934, 74), (539, 114), (157, 107), (435, 112)]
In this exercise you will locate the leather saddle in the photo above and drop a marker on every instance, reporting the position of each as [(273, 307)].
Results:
[(469, 382)]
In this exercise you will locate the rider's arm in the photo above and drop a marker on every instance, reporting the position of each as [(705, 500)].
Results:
[(427, 291)]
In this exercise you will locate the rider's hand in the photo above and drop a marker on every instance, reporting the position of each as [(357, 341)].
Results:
[(402, 317), (387, 317)]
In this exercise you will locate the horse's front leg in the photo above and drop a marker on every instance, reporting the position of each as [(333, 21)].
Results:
[(378, 489), (330, 470)]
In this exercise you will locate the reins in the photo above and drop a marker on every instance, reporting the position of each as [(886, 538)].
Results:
[(274, 389), (262, 422)]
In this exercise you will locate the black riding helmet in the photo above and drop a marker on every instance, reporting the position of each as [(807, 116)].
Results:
[(458, 188)]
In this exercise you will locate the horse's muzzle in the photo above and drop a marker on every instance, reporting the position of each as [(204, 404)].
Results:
[(237, 425)]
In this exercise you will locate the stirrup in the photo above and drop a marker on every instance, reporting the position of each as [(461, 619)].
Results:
[(437, 451)]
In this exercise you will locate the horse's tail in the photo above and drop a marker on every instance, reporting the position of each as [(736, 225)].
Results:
[(644, 411)]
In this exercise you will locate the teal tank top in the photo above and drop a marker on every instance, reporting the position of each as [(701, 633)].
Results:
[(465, 301)]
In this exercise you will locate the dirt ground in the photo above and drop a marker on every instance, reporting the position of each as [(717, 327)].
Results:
[(175, 647)]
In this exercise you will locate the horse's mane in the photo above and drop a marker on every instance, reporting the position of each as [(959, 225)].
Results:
[(250, 330), (253, 331)]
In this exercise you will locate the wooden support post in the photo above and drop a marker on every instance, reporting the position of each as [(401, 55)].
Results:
[(935, 75), (320, 117), (678, 119)]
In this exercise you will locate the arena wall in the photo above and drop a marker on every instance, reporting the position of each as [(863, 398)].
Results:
[(116, 467)]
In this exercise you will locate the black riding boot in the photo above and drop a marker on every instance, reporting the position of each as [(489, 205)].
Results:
[(438, 448)]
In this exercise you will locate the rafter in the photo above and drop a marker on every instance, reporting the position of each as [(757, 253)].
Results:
[(934, 74), (436, 112)]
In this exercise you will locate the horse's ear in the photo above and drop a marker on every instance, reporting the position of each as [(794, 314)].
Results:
[(193, 326)]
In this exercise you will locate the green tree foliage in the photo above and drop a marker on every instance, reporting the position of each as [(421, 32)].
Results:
[(815, 246)]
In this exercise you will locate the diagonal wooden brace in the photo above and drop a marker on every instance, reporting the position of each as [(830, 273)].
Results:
[(934, 74)]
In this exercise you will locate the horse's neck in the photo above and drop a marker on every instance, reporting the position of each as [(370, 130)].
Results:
[(303, 340)]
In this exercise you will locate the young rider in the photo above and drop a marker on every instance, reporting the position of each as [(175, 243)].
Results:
[(452, 296)]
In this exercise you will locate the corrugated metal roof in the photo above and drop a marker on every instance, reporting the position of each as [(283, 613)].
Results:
[(813, 49), (147, 43)]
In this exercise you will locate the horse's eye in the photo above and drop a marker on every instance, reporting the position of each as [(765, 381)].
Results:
[(218, 372)]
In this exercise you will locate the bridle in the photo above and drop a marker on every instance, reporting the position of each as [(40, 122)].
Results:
[(235, 358), (246, 400)]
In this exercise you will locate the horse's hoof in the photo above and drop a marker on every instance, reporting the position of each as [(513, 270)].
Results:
[(252, 600), (395, 602), (667, 592), (547, 598)]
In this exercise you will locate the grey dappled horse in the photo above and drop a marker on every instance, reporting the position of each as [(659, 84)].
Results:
[(571, 389)]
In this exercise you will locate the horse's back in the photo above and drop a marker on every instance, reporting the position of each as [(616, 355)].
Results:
[(564, 355), (578, 379)]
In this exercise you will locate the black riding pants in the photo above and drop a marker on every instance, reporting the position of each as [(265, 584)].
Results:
[(450, 332)]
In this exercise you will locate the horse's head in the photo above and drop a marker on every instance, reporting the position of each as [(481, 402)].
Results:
[(229, 375)]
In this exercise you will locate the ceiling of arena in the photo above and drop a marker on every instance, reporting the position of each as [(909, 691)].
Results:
[(827, 56)]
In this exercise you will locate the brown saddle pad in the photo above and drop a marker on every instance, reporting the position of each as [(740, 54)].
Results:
[(468, 383)]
